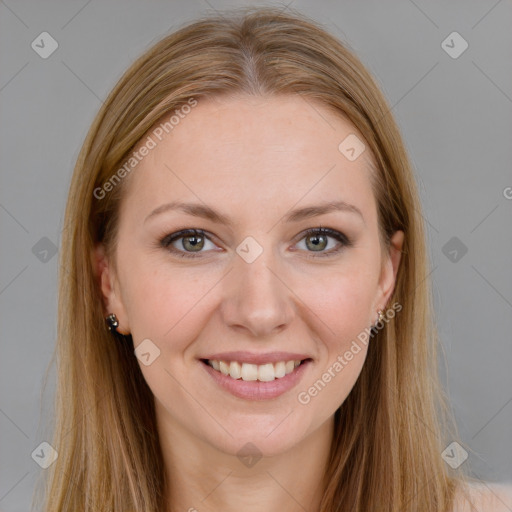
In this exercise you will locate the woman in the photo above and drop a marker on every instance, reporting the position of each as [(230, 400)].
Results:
[(244, 318)]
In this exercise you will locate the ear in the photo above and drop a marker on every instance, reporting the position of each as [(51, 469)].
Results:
[(389, 269), (106, 280)]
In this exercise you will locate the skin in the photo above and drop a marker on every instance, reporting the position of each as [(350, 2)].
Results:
[(254, 160), (484, 496)]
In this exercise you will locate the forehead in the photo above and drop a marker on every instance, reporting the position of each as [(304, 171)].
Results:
[(253, 153)]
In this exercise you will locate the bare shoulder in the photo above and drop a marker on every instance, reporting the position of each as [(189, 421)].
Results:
[(484, 497)]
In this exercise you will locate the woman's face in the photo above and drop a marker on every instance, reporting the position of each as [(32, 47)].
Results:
[(252, 287)]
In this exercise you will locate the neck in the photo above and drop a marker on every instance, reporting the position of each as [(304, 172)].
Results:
[(205, 479)]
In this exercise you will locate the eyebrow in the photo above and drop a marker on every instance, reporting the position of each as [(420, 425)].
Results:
[(204, 211)]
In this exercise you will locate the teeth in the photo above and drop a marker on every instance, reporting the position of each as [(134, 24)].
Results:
[(224, 368), (279, 369), (266, 372), (235, 370), (250, 372)]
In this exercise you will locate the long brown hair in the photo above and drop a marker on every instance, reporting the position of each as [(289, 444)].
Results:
[(390, 431)]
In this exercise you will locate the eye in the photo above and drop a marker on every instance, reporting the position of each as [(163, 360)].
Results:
[(317, 240), (185, 243), (189, 243)]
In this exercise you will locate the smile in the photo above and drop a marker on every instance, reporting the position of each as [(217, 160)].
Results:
[(256, 377), (251, 372)]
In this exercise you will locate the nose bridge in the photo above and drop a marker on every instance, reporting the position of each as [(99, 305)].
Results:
[(256, 298)]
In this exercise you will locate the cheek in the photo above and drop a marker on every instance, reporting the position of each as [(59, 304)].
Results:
[(342, 305), (165, 302), (341, 301), (342, 298)]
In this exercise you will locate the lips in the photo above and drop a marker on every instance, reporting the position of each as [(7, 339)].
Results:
[(256, 376)]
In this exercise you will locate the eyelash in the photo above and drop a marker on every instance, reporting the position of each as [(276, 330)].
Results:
[(166, 241)]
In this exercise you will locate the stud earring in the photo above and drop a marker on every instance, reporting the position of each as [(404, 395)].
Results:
[(380, 319), (112, 322)]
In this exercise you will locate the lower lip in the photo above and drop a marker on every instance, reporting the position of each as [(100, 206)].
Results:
[(255, 389)]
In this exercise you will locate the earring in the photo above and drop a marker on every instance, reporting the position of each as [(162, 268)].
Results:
[(380, 319), (112, 322)]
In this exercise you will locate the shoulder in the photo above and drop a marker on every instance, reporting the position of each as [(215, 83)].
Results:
[(484, 497)]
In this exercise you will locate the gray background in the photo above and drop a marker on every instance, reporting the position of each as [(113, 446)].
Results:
[(455, 115)]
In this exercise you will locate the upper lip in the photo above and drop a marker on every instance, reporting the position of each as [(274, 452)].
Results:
[(256, 358)]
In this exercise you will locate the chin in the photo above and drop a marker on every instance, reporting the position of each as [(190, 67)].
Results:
[(269, 436), (256, 445)]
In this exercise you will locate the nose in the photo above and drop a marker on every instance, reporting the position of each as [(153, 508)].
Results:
[(256, 299)]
